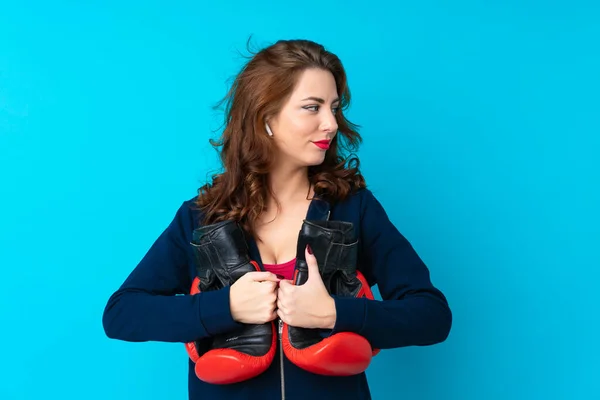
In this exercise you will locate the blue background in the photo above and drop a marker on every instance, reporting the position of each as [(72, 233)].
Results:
[(481, 127)]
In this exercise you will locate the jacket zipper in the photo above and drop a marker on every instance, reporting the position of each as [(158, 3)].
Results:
[(281, 360), (281, 355)]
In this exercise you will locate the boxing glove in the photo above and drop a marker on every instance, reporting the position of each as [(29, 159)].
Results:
[(221, 258), (344, 353)]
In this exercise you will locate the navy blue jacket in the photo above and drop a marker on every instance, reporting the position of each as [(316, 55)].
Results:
[(412, 312)]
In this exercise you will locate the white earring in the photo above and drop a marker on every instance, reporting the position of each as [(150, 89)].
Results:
[(268, 130)]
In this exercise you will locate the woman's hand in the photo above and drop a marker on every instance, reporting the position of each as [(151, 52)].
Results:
[(253, 298), (308, 305)]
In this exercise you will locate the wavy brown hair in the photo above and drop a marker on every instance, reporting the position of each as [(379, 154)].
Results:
[(258, 92)]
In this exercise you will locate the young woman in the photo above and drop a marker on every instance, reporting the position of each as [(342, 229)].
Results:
[(266, 274)]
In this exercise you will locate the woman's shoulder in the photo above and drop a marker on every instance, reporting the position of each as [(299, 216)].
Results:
[(190, 203), (188, 217), (364, 208), (357, 200)]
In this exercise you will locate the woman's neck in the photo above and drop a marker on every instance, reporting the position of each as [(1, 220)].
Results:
[(290, 185)]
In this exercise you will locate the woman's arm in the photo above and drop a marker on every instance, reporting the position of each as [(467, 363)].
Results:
[(153, 305), (413, 311)]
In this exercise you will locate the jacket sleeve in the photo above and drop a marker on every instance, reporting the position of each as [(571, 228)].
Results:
[(153, 303), (412, 311)]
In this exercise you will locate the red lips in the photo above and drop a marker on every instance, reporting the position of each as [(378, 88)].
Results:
[(322, 144)]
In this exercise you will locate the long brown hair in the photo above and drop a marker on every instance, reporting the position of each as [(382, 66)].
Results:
[(258, 92)]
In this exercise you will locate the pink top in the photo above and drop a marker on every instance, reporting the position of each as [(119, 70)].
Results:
[(286, 269)]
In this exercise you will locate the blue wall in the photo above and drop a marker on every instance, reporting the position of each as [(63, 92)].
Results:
[(481, 127)]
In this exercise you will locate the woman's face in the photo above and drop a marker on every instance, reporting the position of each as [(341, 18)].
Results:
[(306, 123)]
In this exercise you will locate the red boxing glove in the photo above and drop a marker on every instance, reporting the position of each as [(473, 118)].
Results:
[(221, 259), (343, 353)]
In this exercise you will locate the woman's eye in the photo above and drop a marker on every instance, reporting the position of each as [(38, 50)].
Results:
[(316, 109)]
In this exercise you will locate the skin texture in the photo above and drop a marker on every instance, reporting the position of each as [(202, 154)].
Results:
[(301, 122)]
